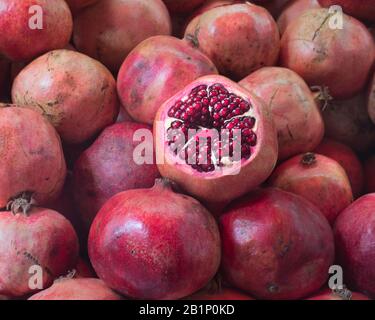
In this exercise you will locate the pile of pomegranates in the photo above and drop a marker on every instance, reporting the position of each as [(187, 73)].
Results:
[(187, 149)]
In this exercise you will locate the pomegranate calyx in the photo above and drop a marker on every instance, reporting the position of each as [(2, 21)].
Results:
[(343, 293), (20, 204), (308, 159), (322, 95)]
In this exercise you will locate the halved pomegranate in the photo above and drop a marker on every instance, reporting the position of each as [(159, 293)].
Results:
[(215, 139)]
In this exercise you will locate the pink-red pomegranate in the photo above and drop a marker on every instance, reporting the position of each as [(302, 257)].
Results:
[(34, 237), (156, 70), (276, 245), (296, 115), (238, 38), (74, 92), (344, 294), (114, 163), (324, 53), (362, 9), (220, 294), (77, 289), (318, 179), (347, 158), (77, 5), (293, 10), (32, 27), (371, 99), (110, 29), (355, 237), (215, 139), (370, 174), (31, 156), (154, 244), (348, 122), (182, 6)]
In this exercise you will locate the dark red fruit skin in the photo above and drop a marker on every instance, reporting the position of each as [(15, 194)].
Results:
[(182, 6), (221, 294), (107, 167), (363, 9), (276, 245), (370, 174), (328, 294), (371, 97), (154, 244), (77, 5), (43, 237), (347, 158), (77, 289), (355, 237)]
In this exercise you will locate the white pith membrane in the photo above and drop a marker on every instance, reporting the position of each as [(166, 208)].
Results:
[(211, 128)]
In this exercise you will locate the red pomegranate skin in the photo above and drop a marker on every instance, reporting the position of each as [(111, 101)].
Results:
[(77, 289), (83, 269), (276, 245), (348, 122), (154, 244), (109, 167), (364, 9), (221, 294), (293, 10), (182, 6), (347, 158), (76, 93), (238, 38), (31, 156), (43, 237), (223, 184), (110, 29), (77, 5), (369, 169), (298, 121), (20, 42), (317, 178), (328, 294), (156, 70), (371, 99), (340, 59), (355, 237)]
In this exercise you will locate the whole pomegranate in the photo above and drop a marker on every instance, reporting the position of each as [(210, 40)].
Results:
[(113, 163), (77, 289), (371, 99), (343, 294), (32, 27), (34, 237), (154, 244), (325, 54), (318, 179), (355, 237), (276, 245), (31, 156), (77, 5), (370, 174), (74, 92), (110, 29), (220, 294), (348, 122), (293, 10), (296, 115), (215, 139), (156, 70), (363, 9), (182, 6), (238, 38), (346, 157)]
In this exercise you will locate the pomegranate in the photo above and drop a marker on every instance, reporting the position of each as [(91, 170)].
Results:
[(110, 29), (182, 6), (344, 294), (293, 10), (77, 5), (327, 55), (276, 245), (347, 121), (111, 165), (371, 99), (154, 244), (346, 157), (34, 237), (370, 174), (31, 156), (220, 294), (156, 70), (318, 179), (197, 136), (32, 27), (363, 9), (77, 289), (76, 93), (355, 237), (297, 118), (238, 38)]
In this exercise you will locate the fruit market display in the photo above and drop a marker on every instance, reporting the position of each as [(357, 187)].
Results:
[(187, 150)]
